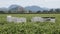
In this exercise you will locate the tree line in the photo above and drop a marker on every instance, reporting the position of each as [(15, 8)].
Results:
[(51, 11)]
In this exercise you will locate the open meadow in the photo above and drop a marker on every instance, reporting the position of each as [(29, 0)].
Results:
[(29, 27)]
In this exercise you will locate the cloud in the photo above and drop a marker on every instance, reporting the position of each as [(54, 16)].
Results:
[(41, 3)]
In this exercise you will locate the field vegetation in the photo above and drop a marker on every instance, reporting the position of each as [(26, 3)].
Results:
[(29, 27)]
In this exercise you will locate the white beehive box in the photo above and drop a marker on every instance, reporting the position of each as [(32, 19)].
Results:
[(52, 20), (37, 19), (9, 18), (19, 20)]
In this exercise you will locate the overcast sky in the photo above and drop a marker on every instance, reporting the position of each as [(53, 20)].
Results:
[(41, 3)]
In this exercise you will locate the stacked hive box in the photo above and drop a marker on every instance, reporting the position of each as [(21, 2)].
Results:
[(16, 19)]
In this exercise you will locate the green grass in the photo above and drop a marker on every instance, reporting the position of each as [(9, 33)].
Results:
[(30, 27)]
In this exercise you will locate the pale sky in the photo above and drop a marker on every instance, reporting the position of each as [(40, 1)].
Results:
[(24, 3)]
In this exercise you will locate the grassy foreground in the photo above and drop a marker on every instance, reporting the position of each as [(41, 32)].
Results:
[(29, 27)]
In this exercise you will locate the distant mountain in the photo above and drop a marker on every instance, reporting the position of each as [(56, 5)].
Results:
[(35, 8), (44, 8), (16, 8)]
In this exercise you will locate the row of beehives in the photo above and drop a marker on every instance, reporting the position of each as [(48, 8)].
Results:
[(34, 19)]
